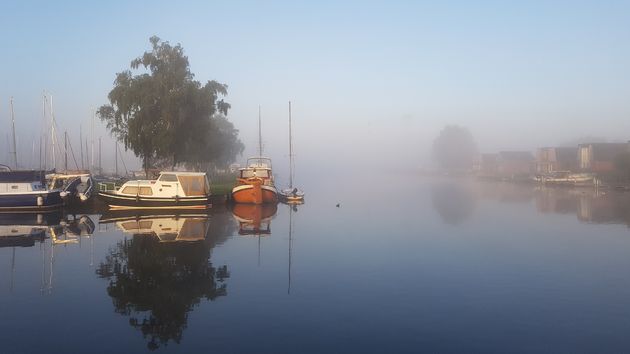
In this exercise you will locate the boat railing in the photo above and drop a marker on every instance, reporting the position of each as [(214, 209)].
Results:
[(107, 187)]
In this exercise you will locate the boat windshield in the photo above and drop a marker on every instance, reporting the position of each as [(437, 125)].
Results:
[(252, 172), (263, 162)]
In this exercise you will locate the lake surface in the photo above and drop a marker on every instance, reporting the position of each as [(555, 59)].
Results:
[(405, 264)]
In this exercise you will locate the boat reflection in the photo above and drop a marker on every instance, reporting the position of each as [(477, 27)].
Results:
[(158, 275), (25, 229), (28, 229), (71, 229), (167, 228), (254, 219)]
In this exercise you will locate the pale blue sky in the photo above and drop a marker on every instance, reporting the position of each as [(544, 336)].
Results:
[(366, 78)]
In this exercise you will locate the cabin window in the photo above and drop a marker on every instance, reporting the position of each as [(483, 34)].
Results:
[(145, 191), (14, 187), (256, 173), (136, 226), (168, 177), (130, 190), (129, 225), (145, 224)]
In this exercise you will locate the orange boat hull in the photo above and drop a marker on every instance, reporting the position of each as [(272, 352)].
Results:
[(254, 194)]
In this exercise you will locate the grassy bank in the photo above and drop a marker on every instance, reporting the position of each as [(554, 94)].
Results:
[(222, 184), (221, 188)]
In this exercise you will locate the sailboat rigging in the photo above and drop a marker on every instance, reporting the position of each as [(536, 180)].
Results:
[(292, 194)]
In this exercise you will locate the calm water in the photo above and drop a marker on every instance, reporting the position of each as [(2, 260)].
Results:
[(424, 265)]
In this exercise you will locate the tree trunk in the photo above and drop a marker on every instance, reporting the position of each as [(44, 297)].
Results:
[(145, 164)]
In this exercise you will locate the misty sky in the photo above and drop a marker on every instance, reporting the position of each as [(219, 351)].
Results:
[(368, 80)]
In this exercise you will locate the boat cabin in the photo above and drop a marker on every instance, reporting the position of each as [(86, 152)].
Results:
[(169, 184), (20, 182), (258, 167)]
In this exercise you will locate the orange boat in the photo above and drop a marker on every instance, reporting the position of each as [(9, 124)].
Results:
[(255, 183)]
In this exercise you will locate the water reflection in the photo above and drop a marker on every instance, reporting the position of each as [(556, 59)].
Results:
[(454, 201), (158, 275), (589, 205), (254, 219), (29, 229), (24, 229)]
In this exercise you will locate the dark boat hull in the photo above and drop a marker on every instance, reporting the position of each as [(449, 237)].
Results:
[(29, 201), (139, 202)]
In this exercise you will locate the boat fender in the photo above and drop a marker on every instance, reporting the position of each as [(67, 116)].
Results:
[(176, 199), (40, 201), (137, 198)]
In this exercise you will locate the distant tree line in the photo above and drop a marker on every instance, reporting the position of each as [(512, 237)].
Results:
[(166, 117)]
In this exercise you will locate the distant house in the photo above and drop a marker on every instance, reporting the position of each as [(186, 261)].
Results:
[(487, 165), (511, 164), (600, 157), (552, 159)]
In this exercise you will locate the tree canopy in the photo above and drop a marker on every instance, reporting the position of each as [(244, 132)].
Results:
[(454, 148), (161, 112)]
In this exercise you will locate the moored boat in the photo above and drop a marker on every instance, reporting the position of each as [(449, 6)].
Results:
[(291, 195), (172, 190), (566, 178), (255, 183), (26, 191), (76, 186)]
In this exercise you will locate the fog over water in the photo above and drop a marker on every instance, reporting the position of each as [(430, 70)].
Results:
[(370, 82)]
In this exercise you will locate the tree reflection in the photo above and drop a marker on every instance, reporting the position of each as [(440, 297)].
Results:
[(158, 283), (454, 202)]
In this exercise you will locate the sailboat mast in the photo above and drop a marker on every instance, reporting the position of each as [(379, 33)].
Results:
[(40, 152), (91, 165), (52, 133), (290, 151), (44, 135), (81, 145), (65, 148), (260, 149), (15, 160), (100, 169)]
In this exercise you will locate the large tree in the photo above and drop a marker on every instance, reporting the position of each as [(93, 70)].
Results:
[(162, 113), (454, 148)]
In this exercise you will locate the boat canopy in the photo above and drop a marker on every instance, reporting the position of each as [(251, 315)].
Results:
[(194, 184), (22, 176)]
